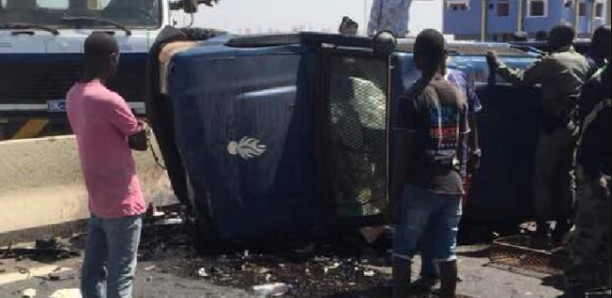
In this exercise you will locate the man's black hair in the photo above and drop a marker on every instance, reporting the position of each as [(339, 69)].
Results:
[(347, 21), (100, 44), (431, 46), (601, 34), (562, 35), (101, 56)]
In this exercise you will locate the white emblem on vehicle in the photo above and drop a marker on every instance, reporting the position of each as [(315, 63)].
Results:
[(246, 148)]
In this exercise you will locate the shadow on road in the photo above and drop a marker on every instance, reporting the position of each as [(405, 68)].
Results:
[(555, 281), (374, 292)]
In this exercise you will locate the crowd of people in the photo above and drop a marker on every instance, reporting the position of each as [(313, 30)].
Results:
[(437, 152), (428, 183)]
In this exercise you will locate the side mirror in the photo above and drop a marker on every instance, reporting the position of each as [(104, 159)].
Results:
[(190, 6)]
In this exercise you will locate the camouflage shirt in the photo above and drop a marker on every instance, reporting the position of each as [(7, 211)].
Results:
[(561, 74)]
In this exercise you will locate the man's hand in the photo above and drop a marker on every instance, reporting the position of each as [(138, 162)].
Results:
[(493, 59), (208, 2), (600, 187), (140, 140), (473, 162)]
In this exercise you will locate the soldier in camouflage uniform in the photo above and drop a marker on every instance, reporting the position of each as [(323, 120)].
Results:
[(589, 244), (562, 74)]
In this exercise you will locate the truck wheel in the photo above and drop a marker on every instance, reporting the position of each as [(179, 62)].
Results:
[(200, 33), (205, 237)]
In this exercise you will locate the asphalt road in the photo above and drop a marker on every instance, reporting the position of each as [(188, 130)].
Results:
[(171, 272)]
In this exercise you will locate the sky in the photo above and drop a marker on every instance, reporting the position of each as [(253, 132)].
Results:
[(263, 16)]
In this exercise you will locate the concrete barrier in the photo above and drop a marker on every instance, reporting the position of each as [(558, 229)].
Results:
[(41, 183)]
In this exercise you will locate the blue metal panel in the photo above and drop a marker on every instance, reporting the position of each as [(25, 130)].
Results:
[(221, 96)]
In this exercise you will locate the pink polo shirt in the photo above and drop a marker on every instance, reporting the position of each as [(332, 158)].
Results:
[(102, 122)]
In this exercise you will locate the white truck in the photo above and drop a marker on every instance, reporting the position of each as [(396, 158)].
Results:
[(41, 42)]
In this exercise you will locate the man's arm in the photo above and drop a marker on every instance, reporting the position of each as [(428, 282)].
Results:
[(533, 75), (595, 138), (121, 117), (403, 154), (464, 134), (473, 162), (474, 107)]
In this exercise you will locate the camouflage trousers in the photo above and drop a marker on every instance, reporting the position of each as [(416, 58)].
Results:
[(589, 242)]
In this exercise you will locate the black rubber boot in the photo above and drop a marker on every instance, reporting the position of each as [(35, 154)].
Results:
[(562, 228), (401, 277), (540, 238), (448, 279)]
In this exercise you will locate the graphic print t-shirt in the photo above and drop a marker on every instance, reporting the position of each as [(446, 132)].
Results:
[(437, 113)]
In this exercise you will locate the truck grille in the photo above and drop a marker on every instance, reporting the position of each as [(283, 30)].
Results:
[(34, 81)]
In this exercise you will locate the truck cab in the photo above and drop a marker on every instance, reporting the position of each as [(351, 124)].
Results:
[(41, 42)]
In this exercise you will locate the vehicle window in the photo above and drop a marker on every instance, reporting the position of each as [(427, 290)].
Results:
[(130, 13), (53, 4)]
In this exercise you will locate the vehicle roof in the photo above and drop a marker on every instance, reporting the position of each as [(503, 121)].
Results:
[(404, 45), (475, 48)]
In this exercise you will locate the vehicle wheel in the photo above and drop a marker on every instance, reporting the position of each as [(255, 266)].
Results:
[(205, 237), (200, 33)]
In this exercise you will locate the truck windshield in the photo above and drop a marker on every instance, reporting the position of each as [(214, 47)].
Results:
[(53, 13)]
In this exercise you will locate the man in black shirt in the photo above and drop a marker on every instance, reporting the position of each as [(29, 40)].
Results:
[(426, 186), (599, 53), (589, 244)]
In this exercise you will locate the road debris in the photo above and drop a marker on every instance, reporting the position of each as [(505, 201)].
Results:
[(61, 274), (66, 293), (369, 273), (28, 293), (202, 273), (44, 250), (271, 290)]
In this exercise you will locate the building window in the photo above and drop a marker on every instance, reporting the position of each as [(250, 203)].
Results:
[(537, 8), (503, 8), (458, 5), (599, 10), (582, 9)]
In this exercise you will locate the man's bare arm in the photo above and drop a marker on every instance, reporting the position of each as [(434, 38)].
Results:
[(403, 153), (474, 156)]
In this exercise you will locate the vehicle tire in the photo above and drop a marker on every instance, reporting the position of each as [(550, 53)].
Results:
[(205, 237), (200, 33)]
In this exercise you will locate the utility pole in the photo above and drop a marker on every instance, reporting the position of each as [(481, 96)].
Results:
[(365, 17), (608, 13)]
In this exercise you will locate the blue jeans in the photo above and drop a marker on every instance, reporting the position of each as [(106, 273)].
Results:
[(430, 217), (110, 257)]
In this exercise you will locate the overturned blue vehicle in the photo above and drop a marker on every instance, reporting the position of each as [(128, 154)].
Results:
[(280, 133)]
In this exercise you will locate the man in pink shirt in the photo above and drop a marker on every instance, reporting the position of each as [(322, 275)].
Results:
[(106, 130)]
